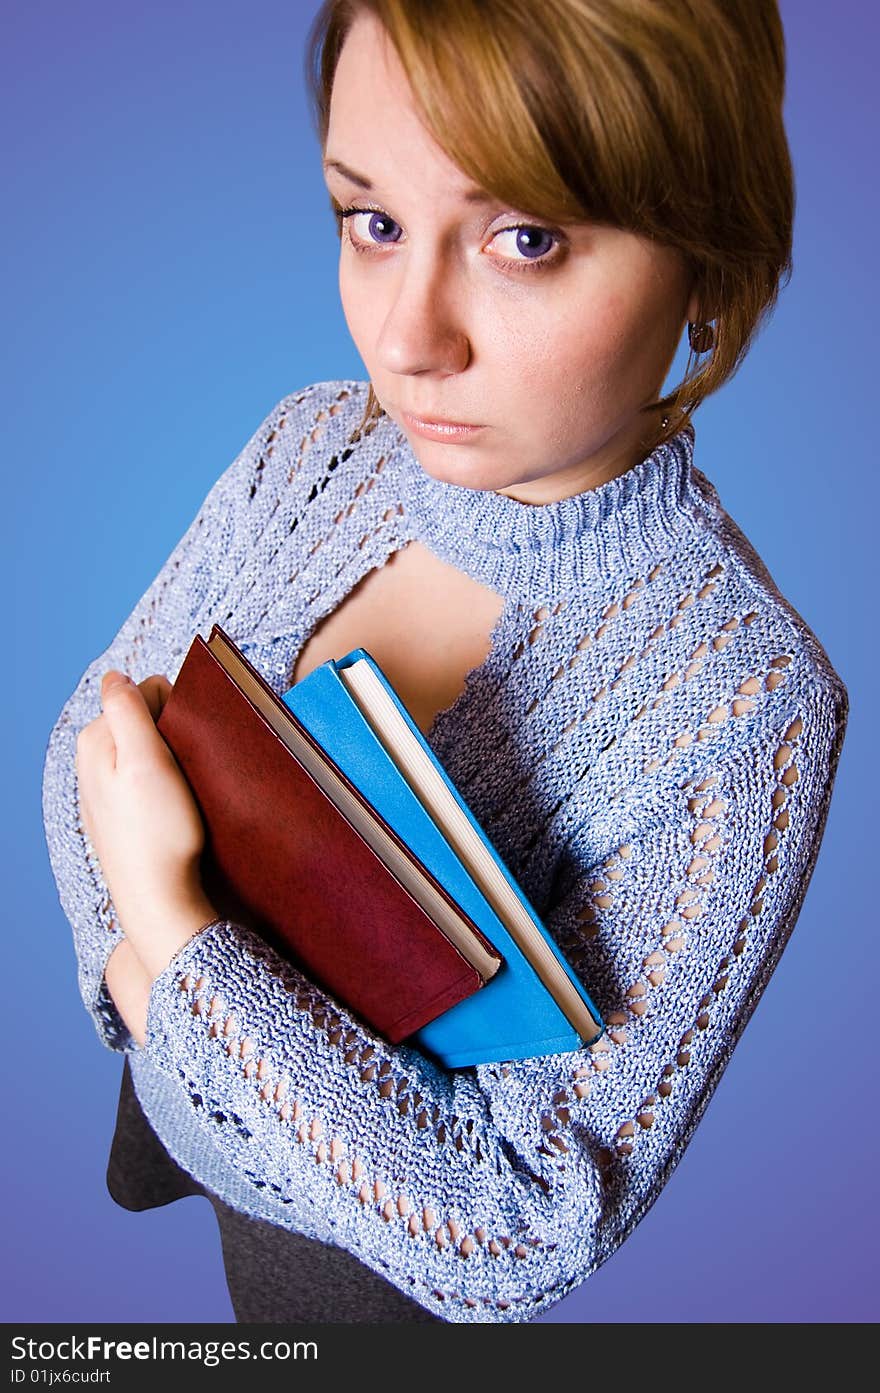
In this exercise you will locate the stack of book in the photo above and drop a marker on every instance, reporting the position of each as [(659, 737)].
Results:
[(332, 830)]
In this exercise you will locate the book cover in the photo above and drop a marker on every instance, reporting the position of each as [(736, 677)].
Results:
[(283, 859), (516, 1015)]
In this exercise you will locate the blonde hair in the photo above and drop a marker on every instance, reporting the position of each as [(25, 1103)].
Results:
[(662, 117)]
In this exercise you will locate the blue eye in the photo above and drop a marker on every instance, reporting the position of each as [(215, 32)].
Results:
[(539, 248), (375, 223), (377, 227), (527, 236)]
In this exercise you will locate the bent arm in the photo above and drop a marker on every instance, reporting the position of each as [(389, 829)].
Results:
[(188, 596), (488, 1194)]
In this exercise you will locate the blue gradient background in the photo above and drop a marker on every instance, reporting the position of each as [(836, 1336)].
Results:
[(170, 273)]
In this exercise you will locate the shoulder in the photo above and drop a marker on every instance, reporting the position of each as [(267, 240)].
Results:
[(777, 633), (343, 394), (330, 410), (756, 577), (310, 430), (712, 610), (338, 402), (310, 424), (702, 660)]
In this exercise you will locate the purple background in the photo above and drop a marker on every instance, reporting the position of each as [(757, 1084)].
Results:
[(170, 273)]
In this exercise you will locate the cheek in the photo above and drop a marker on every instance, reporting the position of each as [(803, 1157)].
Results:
[(565, 340), (566, 362), (356, 308)]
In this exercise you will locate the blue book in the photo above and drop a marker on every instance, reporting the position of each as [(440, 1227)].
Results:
[(534, 1004)]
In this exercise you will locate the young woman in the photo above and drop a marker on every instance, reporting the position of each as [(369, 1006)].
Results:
[(508, 516)]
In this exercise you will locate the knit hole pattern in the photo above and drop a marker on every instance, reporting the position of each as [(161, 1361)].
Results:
[(389, 1203), (706, 838)]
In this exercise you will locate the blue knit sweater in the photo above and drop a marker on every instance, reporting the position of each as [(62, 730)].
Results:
[(664, 732)]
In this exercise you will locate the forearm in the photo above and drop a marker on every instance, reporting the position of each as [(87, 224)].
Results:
[(350, 1140), (501, 1189)]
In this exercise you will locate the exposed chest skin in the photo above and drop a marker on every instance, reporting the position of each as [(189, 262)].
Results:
[(426, 624)]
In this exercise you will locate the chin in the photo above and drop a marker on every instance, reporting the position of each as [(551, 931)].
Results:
[(449, 464), (463, 476)]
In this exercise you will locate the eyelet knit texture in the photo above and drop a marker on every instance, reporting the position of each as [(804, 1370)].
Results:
[(651, 744)]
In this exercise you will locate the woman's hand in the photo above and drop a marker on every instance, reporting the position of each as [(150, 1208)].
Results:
[(142, 820)]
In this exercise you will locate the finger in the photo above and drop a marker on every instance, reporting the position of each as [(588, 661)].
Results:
[(156, 690), (129, 718), (95, 746), (95, 755)]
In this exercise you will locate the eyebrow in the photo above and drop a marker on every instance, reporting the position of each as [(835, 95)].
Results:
[(474, 194)]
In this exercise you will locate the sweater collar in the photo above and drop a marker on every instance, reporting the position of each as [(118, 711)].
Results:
[(616, 527)]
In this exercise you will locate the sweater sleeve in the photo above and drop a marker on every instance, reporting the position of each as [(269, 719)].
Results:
[(488, 1194), (186, 597)]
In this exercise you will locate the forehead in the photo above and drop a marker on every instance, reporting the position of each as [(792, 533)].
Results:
[(375, 131), (468, 193), (368, 61)]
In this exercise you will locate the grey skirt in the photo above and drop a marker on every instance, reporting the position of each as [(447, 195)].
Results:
[(273, 1275)]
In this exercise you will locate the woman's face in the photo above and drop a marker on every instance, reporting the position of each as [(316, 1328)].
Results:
[(548, 338)]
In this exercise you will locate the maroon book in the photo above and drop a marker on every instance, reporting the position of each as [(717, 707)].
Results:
[(284, 859)]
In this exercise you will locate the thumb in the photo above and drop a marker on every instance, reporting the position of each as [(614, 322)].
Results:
[(114, 678), (128, 716)]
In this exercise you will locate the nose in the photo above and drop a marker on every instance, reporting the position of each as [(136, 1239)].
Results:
[(425, 325)]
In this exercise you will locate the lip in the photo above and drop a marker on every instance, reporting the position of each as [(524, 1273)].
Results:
[(435, 429)]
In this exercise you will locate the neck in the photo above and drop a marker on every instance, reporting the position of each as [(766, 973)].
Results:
[(620, 453), (618, 526)]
